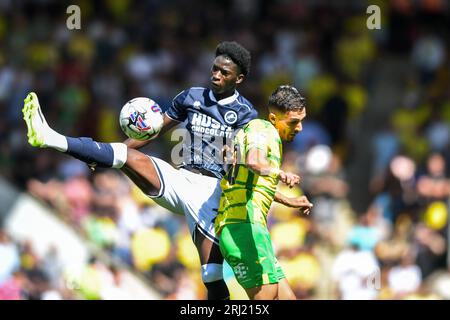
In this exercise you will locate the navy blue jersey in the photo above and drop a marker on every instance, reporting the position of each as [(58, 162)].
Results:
[(210, 125)]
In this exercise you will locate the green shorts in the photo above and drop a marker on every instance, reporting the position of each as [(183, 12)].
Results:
[(248, 250)]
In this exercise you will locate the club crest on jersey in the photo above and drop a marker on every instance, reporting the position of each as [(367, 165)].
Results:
[(230, 117), (137, 119)]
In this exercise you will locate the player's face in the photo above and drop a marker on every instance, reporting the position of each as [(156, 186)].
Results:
[(225, 76), (288, 124)]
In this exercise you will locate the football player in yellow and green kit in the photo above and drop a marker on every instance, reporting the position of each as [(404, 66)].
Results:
[(250, 188)]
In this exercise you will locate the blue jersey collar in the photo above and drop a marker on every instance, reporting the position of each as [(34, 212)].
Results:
[(225, 101)]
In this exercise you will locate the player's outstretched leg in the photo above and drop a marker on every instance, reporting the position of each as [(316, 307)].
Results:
[(39, 133), (136, 165), (109, 155)]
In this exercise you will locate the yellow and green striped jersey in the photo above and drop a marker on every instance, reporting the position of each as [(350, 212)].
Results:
[(247, 197)]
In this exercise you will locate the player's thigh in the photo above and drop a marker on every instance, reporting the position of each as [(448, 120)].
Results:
[(200, 196), (263, 292), (285, 291), (248, 250), (142, 171)]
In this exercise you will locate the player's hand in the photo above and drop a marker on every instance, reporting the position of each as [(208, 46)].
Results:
[(302, 203), (228, 155), (289, 178)]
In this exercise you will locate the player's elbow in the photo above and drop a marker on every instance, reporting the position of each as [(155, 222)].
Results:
[(251, 162), (255, 161)]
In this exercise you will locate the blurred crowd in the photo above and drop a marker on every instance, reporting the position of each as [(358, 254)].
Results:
[(397, 248), (26, 275)]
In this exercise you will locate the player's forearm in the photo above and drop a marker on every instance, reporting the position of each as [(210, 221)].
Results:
[(168, 124), (301, 202), (135, 144), (282, 199)]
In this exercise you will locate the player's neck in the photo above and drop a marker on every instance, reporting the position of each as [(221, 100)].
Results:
[(221, 96)]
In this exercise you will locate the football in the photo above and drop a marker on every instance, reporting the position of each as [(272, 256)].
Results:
[(141, 118)]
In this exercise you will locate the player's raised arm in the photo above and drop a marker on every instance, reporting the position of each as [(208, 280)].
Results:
[(168, 124)]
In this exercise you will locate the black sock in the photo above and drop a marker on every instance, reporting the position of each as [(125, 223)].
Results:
[(217, 290)]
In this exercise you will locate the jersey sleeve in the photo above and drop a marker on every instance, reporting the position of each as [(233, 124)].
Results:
[(257, 135), (247, 117), (178, 109)]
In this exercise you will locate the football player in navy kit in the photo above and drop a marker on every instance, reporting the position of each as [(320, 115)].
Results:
[(193, 189)]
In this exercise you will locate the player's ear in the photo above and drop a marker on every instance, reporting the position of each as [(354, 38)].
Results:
[(240, 78), (272, 118)]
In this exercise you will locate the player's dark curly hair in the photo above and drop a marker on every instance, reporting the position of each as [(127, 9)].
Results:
[(237, 53), (286, 98)]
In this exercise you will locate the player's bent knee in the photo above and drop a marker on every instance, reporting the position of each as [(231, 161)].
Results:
[(212, 276), (135, 156), (140, 169), (212, 272)]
